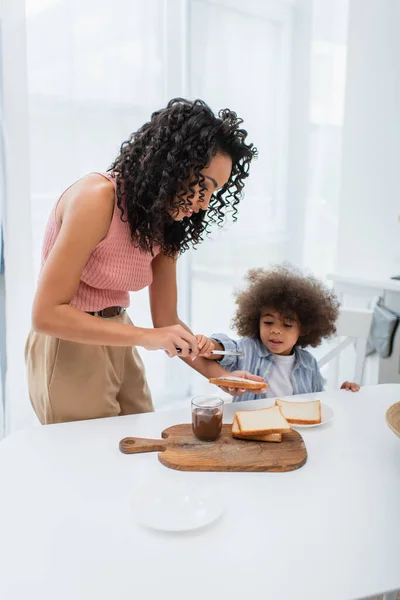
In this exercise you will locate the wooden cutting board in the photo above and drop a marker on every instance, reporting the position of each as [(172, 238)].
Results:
[(180, 449)]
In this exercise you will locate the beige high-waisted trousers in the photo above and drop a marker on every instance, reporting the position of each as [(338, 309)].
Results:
[(71, 382)]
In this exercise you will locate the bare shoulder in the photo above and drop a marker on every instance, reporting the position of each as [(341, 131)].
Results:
[(84, 219), (92, 195)]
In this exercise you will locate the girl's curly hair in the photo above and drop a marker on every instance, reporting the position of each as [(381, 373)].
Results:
[(160, 164), (291, 294)]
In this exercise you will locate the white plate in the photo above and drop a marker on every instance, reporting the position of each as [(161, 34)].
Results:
[(176, 505), (326, 414)]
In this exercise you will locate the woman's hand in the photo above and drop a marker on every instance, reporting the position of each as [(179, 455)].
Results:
[(205, 345), (240, 392), (175, 340)]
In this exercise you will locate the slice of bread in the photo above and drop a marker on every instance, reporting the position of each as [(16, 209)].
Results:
[(238, 383), (301, 413), (261, 422), (268, 437)]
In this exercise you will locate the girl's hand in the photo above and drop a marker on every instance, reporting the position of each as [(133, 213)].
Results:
[(205, 345), (240, 392), (350, 386)]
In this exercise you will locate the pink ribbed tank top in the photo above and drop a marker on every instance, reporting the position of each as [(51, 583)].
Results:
[(115, 267)]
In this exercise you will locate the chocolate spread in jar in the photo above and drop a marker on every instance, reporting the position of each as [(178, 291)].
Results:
[(207, 423)]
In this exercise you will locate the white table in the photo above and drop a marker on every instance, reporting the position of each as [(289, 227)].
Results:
[(328, 531)]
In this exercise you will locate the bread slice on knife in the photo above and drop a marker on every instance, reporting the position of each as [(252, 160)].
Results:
[(301, 413), (268, 437), (262, 422), (238, 383)]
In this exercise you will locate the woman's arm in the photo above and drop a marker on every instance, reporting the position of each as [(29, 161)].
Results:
[(163, 292), (84, 215), (163, 303)]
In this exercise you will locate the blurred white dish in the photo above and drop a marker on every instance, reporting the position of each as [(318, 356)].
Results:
[(176, 505)]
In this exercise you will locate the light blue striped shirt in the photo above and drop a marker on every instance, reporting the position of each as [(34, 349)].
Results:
[(258, 360)]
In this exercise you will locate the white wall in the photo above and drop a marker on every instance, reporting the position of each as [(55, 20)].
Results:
[(369, 232)]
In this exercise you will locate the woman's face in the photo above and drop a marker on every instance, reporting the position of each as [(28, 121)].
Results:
[(216, 175)]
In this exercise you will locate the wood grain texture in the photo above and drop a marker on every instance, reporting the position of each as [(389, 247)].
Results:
[(181, 450)]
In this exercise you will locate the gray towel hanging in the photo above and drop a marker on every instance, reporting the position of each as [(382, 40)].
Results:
[(383, 328)]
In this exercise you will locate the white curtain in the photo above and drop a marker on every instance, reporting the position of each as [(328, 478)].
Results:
[(3, 349), (93, 72), (325, 133), (17, 221)]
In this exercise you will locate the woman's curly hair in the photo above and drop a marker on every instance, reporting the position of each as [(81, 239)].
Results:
[(291, 294), (160, 164)]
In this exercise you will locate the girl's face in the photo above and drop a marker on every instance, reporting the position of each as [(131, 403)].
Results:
[(279, 333), (216, 175)]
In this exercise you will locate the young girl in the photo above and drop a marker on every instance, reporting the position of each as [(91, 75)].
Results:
[(121, 231), (279, 314)]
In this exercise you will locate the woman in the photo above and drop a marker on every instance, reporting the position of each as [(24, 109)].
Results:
[(122, 231)]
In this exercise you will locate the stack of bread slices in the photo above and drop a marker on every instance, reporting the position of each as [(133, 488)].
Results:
[(269, 424)]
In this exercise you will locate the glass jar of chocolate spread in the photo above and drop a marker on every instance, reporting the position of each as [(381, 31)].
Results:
[(207, 417)]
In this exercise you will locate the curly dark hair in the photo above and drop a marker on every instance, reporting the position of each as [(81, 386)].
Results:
[(160, 164), (293, 295)]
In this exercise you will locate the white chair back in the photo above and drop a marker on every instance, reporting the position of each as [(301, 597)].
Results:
[(353, 327)]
